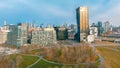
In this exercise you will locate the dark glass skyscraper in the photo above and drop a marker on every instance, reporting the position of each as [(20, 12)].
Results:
[(100, 28)]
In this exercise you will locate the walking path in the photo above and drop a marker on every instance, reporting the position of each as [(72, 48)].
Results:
[(34, 63), (101, 59)]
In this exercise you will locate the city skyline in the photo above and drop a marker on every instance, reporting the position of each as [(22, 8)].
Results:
[(57, 12)]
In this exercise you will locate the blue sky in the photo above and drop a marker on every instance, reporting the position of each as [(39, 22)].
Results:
[(57, 11)]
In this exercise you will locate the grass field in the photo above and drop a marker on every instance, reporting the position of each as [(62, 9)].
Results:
[(18, 61), (46, 64), (43, 64), (28, 60), (111, 57)]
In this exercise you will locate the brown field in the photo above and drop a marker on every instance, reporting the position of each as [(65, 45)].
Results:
[(111, 55)]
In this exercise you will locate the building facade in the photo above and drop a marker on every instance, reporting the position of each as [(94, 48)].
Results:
[(82, 23), (61, 33), (3, 33), (94, 31), (43, 37), (17, 35), (100, 28), (3, 36)]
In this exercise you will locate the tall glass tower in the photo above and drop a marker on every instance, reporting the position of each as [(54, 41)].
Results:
[(82, 23)]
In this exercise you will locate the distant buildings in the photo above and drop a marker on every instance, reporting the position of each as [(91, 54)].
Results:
[(73, 28), (25, 33), (100, 28), (107, 26), (29, 33), (116, 30), (82, 23)]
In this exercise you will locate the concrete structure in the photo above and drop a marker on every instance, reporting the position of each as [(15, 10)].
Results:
[(91, 38), (82, 23), (17, 35), (43, 37)]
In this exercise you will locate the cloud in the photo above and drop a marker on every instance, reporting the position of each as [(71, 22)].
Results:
[(10, 4), (5, 6), (62, 10), (57, 11), (108, 12), (45, 8)]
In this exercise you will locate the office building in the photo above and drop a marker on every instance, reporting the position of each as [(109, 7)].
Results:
[(44, 36), (82, 23), (100, 28), (17, 35), (3, 33), (62, 33)]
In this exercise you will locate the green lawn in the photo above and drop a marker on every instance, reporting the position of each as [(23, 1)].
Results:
[(28, 60), (44, 64), (36, 50), (25, 61)]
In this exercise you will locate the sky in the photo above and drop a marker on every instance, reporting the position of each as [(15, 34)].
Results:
[(58, 12)]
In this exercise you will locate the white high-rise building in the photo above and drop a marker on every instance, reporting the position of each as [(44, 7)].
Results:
[(107, 26)]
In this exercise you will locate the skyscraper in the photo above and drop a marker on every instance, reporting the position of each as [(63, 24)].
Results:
[(100, 28), (82, 23), (107, 26)]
